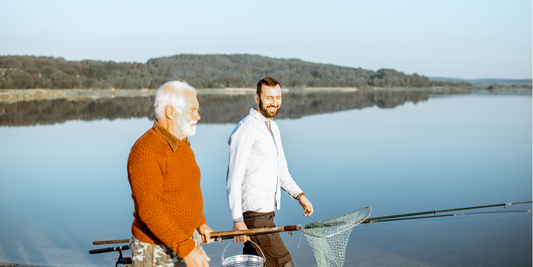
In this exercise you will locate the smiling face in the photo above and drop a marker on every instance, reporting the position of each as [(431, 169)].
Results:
[(269, 102)]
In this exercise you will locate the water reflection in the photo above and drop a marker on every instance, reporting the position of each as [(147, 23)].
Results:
[(63, 186), (215, 108)]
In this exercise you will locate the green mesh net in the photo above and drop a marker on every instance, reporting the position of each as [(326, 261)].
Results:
[(329, 237)]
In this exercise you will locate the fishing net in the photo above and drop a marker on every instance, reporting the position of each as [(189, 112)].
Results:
[(329, 237)]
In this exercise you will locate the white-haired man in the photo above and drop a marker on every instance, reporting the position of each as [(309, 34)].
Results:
[(257, 170), (169, 224)]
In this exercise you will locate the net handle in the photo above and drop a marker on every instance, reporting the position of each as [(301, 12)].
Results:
[(264, 258), (230, 234), (225, 234), (256, 231)]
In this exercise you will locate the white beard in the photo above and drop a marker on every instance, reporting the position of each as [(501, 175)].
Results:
[(188, 128)]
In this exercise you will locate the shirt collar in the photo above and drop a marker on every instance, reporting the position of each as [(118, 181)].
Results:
[(172, 140), (258, 115)]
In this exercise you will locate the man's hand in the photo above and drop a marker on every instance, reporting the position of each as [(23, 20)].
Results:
[(196, 258), (306, 205), (205, 232), (240, 226)]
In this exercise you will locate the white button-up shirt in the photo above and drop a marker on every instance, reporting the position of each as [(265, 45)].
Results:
[(257, 167)]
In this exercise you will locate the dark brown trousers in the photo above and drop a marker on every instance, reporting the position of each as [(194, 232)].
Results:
[(275, 251)]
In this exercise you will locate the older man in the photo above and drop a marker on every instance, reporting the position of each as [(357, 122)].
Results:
[(169, 224), (257, 169)]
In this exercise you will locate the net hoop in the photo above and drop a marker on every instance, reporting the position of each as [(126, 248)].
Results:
[(329, 238), (324, 223)]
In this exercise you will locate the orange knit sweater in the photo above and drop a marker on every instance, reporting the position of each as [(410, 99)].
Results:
[(165, 184)]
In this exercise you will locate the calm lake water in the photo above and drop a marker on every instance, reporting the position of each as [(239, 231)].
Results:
[(63, 181)]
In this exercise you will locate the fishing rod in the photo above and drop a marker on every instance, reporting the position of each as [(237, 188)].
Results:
[(374, 220), (349, 223), (434, 212)]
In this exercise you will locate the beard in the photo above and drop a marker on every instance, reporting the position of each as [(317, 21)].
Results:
[(188, 128), (264, 110)]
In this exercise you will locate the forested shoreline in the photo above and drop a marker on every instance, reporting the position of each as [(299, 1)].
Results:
[(201, 71)]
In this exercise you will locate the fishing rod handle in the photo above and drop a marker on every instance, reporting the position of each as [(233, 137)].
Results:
[(111, 241), (103, 250)]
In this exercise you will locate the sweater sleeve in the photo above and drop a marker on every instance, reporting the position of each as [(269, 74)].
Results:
[(145, 174)]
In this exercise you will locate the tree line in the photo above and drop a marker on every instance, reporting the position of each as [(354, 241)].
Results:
[(200, 71)]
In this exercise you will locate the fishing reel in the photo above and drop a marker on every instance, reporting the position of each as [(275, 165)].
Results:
[(121, 259)]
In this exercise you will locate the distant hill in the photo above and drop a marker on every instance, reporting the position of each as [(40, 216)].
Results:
[(201, 71), (485, 82)]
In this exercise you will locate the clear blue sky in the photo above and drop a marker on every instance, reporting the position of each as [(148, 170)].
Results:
[(460, 39)]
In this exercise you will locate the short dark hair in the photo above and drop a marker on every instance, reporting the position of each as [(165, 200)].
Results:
[(268, 81)]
